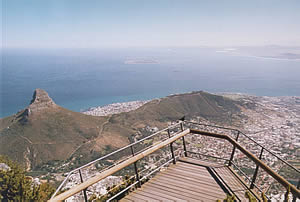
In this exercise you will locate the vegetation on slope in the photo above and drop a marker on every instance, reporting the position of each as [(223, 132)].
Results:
[(16, 186)]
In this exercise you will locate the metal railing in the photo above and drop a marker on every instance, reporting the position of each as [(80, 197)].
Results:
[(168, 137), (238, 132), (236, 137)]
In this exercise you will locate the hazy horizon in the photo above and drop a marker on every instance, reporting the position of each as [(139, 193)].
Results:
[(134, 23)]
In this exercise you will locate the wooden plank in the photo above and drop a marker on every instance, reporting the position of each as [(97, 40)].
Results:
[(160, 192), (191, 180), (243, 181), (241, 195), (234, 183), (154, 196), (167, 190), (191, 169), (194, 192), (202, 183), (135, 194), (230, 179), (199, 162), (200, 176), (200, 188), (183, 180), (178, 193), (201, 173), (127, 199), (192, 166), (134, 197)]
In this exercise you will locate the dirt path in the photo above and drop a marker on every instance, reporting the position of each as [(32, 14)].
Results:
[(100, 132), (26, 139), (158, 101), (104, 123)]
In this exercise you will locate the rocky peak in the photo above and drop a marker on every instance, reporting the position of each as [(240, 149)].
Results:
[(40, 101)]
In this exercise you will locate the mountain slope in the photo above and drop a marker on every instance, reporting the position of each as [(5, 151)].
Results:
[(46, 132)]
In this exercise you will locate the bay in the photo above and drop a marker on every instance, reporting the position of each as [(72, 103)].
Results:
[(82, 78)]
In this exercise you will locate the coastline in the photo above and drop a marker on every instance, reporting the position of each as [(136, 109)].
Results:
[(115, 108), (120, 107)]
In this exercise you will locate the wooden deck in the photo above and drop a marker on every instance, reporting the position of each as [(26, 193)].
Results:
[(190, 180)]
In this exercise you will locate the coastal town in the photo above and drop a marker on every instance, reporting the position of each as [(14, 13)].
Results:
[(114, 108)]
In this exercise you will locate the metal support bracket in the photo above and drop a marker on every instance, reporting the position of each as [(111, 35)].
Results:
[(256, 170), (84, 191), (136, 169), (171, 147), (233, 150)]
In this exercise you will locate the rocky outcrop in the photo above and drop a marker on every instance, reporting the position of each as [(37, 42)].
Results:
[(39, 102)]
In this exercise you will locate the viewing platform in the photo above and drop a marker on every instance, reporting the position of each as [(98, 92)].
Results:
[(191, 180), (187, 161)]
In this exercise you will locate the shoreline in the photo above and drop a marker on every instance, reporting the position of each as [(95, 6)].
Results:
[(120, 107), (114, 108)]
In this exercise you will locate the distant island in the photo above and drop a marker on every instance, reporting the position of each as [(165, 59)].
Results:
[(140, 61), (271, 52), (268, 52), (289, 56)]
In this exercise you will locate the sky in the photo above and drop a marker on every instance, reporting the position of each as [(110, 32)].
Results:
[(154, 23)]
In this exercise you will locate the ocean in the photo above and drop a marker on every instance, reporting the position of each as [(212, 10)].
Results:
[(78, 79)]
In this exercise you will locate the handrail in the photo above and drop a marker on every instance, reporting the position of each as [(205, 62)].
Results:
[(127, 146), (233, 129), (215, 126), (118, 167), (258, 162), (110, 154)]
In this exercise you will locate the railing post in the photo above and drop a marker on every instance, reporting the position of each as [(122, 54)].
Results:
[(256, 170), (184, 147), (135, 168), (183, 141), (294, 196), (171, 147), (233, 150), (181, 126), (84, 191)]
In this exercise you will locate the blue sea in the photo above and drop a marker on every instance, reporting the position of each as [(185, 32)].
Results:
[(82, 78)]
